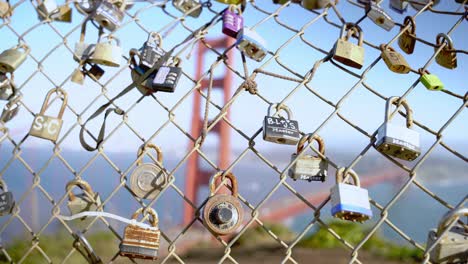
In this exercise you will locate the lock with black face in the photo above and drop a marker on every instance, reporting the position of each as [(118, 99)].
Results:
[(346, 52), (167, 77), (86, 201), (109, 15), (308, 167), (11, 109), (7, 202), (11, 59), (7, 87), (279, 129)]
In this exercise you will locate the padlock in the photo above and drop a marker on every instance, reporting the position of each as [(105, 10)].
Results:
[(223, 213), (394, 60), (82, 245), (251, 44), (346, 52), (146, 86), (407, 41), (11, 59), (315, 4), (230, 2), (232, 22), (279, 129), (86, 201), (349, 202), (5, 9), (64, 14), (7, 87), (184, 6), (308, 167), (399, 6), (106, 53), (151, 51), (46, 8), (48, 127), (83, 50), (139, 242), (447, 57), (78, 76), (7, 202), (430, 81), (396, 140), (167, 77), (420, 4), (376, 13), (453, 246), (148, 179), (11, 109), (95, 72), (109, 15)]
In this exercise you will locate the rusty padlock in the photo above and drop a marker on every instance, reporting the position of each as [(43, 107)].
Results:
[(308, 167), (407, 41), (447, 57), (394, 60), (346, 52)]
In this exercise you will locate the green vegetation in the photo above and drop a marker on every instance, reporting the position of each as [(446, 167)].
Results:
[(258, 236)]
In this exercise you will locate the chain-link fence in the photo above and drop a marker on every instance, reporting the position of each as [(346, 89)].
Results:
[(48, 42)]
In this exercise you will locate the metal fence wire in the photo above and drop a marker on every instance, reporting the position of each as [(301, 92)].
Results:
[(173, 23)]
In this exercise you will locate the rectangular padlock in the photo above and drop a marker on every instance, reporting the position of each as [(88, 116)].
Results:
[(250, 42), (346, 52), (453, 248), (376, 13), (431, 81), (151, 51), (166, 79), (281, 130), (185, 6), (308, 167), (11, 59), (394, 60), (232, 22), (108, 15), (399, 6)]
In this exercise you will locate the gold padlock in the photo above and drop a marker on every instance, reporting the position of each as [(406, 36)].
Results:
[(11, 59), (346, 52), (407, 41), (5, 9), (47, 127), (78, 76), (447, 57), (394, 60), (106, 53), (64, 14)]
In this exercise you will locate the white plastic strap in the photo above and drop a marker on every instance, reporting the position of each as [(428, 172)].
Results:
[(108, 215)]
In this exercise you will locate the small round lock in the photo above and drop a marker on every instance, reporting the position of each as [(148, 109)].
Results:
[(223, 213)]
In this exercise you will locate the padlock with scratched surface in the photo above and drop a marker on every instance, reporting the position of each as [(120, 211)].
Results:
[(223, 213), (407, 41), (192, 8), (11, 109), (109, 15), (346, 52), (148, 179), (7, 87), (11, 59), (315, 4), (350, 202), (447, 57), (378, 15), (106, 53), (308, 167), (453, 246), (430, 81), (86, 201), (167, 77), (233, 21), (48, 127), (399, 6), (420, 4), (394, 60), (251, 44), (279, 129), (396, 140), (142, 243), (7, 202)]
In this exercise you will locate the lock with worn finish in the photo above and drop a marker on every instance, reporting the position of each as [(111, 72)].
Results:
[(167, 77), (430, 81), (232, 22), (139, 242), (346, 52), (394, 60), (279, 129), (46, 8), (148, 179), (420, 4), (106, 53), (192, 8), (251, 44), (223, 213), (5, 9), (11, 109), (82, 245), (86, 201), (378, 15), (447, 57), (64, 14), (151, 51), (315, 4), (308, 167), (11, 59), (7, 87), (407, 41), (350, 202), (395, 140), (109, 15), (6, 200), (399, 6), (48, 127), (453, 246), (83, 50)]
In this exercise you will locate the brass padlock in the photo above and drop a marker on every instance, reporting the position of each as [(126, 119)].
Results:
[(64, 14), (11, 59), (5, 9), (86, 201), (407, 41), (106, 53), (315, 4), (308, 167), (7, 87), (139, 242), (447, 57), (223, 213), (346, 52), (48, 127), (394, 60), (83, 50), (11, 109), (78, 76), (192, 8), (109, 15), (148, 179)]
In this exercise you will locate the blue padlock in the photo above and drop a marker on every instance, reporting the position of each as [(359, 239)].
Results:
[(252, 44)]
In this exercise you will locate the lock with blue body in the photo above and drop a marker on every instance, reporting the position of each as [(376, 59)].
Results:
[(252, 44)]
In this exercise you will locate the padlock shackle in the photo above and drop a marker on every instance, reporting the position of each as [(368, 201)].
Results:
[(155, 35), (82, 185), (229, 176), (154, 221), (83, 29), (308, 138), (144, 150), (23, 45), (441, 38), (409, 113), (45, 105), (233, 7), (3, 186), (132, 53), (352, 29), (449, 217), (109, 38), (353, 174), (384, 47), (280, 107), (410, 20)]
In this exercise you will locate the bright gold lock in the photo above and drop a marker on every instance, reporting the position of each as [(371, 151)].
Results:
[(11, 59), (407, 41), (106, 53), (447, 57), (394, 60), (346, 52)]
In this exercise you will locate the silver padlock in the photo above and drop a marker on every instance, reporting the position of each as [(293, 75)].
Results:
[(105, 53), (46, 8), (83, 50), (7, 202), (420, 4), (453, 246), (279, 129), (109, 15), (192, 8), (350, 202), (11, 109), (7, 87), (308, 167), (167, 77), (151, 51), (398, 141), (399, 6), (87, 201), (251, 44), (148, 179), (376, 13)]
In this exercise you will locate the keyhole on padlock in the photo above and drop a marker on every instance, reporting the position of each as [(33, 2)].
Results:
[(223, 215), (105, 23), (281, 140), (380, 20)]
